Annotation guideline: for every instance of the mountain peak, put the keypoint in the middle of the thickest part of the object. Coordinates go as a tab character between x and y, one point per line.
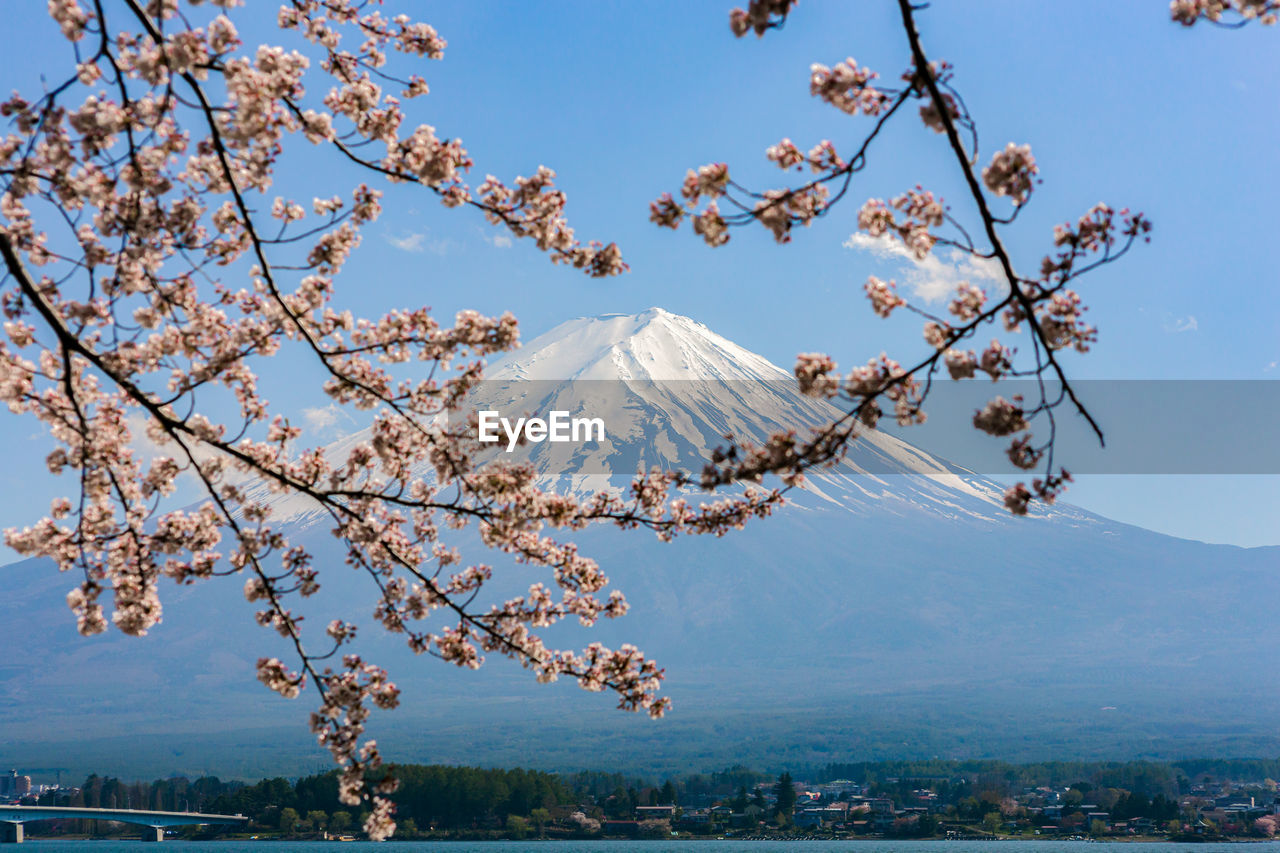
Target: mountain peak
651	345
670	390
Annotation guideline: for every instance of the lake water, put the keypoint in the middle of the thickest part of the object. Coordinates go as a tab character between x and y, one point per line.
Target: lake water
672	846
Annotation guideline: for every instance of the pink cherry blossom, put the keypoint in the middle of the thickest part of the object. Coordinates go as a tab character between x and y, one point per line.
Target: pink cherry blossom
150	267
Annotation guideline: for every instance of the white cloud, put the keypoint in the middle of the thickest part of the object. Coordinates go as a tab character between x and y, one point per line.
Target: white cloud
321	419
497	241
408	243
1177	325
417	242
934	278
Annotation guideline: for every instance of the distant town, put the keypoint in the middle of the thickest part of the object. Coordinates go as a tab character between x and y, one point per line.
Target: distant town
1192	800
14	787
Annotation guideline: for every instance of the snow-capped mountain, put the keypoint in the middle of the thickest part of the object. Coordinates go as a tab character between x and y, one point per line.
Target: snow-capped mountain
652	345
668	391
895	582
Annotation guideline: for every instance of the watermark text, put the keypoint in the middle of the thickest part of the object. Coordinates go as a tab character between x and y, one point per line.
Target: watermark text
558	427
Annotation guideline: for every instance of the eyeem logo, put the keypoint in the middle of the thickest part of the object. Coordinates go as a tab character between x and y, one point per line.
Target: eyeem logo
558	427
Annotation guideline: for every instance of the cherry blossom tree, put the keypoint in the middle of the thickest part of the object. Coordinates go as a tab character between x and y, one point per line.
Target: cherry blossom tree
149	271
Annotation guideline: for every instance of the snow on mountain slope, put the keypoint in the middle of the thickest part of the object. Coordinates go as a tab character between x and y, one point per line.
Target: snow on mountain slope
669	390
654	344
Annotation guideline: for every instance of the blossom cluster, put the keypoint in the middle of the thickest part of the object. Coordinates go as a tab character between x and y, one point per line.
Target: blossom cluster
847	87
883	295
1018	497
996	361
1188	12
921	212
1097	233
1011	173
934	112
759	17
777	210
788	454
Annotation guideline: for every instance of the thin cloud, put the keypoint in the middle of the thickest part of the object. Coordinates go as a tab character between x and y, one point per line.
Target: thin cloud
322	419
417	242
408	243
1178	325
497	241
934	278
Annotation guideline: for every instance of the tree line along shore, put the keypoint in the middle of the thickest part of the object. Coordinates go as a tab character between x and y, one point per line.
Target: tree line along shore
1187	800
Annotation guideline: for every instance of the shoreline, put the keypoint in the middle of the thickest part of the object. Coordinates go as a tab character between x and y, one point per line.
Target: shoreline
613	839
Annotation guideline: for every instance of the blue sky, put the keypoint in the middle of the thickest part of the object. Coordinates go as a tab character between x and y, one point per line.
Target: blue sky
1117	103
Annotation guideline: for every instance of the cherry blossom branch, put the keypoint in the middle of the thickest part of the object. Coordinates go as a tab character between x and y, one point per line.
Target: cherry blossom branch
916	219
989	221
1230	14
136	318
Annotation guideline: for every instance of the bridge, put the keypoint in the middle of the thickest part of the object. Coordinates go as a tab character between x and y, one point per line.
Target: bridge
153	824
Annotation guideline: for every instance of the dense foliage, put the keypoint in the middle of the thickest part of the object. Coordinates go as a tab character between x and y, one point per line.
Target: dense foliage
452	798
433	796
